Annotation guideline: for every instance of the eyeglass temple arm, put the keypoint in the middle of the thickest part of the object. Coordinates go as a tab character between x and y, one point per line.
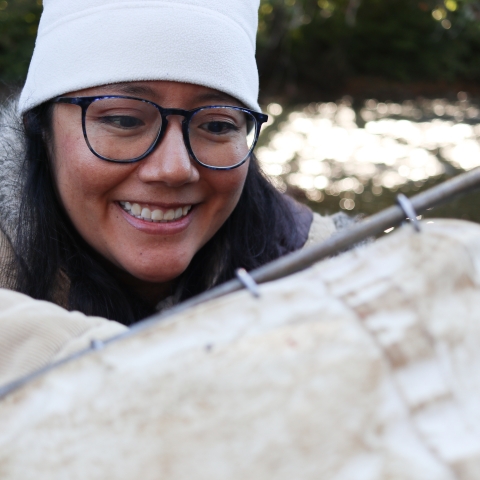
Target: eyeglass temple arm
261	117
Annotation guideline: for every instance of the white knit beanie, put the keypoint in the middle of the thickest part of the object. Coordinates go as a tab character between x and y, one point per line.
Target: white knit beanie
88	43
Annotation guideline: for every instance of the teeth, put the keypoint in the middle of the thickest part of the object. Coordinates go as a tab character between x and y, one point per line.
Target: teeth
157	215
136	209
146	213
169	215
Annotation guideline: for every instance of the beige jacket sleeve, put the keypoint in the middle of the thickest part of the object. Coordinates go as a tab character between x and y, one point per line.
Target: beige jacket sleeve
34	333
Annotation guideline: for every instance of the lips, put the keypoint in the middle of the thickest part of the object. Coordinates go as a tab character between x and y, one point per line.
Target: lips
157	214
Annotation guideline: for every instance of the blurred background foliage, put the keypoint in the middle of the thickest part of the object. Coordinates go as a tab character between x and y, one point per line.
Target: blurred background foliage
310	46
307	46
18	29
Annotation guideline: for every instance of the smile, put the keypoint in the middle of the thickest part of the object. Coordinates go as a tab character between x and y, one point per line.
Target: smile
156	216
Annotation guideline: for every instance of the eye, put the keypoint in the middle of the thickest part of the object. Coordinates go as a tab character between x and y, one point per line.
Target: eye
123	121
219	128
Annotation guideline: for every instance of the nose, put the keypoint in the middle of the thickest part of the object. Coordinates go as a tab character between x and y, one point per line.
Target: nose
170	162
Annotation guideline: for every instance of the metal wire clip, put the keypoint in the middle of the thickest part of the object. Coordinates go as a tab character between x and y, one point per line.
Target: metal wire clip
406	205
96	344
247	281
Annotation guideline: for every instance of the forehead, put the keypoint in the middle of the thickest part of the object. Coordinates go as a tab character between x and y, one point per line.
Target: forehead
167	94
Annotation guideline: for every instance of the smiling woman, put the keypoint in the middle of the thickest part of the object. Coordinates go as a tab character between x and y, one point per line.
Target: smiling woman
149	218
138	184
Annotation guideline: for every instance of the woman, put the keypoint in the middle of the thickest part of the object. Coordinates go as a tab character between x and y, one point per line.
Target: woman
139	187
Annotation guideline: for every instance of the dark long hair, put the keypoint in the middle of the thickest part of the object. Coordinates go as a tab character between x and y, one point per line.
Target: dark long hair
50	253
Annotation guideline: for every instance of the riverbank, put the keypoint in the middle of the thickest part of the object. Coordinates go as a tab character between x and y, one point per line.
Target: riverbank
361	88
357	156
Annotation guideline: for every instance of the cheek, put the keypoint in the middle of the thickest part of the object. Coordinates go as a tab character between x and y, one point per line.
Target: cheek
228	185
69	163
74	170
225	188
77	172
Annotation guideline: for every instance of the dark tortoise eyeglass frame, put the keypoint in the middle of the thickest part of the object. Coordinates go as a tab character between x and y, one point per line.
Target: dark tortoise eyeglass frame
85	102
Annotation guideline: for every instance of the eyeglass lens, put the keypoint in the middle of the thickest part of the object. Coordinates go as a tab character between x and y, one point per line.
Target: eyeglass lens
123	129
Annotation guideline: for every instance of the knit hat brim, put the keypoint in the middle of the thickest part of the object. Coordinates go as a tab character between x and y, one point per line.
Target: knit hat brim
142	41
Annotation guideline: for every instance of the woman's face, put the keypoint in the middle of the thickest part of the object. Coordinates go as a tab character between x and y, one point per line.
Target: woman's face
94	192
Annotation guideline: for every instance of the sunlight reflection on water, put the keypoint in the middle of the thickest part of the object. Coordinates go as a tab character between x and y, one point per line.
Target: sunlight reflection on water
329	149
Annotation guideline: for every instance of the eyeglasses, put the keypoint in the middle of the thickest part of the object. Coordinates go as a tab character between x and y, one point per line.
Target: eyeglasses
126	129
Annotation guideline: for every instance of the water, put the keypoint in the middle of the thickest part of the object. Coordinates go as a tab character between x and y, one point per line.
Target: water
336	157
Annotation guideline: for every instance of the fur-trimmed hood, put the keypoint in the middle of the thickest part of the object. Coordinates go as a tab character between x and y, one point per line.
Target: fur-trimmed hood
12	155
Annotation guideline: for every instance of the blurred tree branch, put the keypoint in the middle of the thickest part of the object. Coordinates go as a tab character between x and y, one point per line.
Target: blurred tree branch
351	13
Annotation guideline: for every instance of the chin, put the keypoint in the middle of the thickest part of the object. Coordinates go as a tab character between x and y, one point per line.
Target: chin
158	275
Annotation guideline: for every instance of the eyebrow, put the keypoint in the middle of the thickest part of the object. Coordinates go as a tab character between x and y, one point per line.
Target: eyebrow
129	88
216	97
144	90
